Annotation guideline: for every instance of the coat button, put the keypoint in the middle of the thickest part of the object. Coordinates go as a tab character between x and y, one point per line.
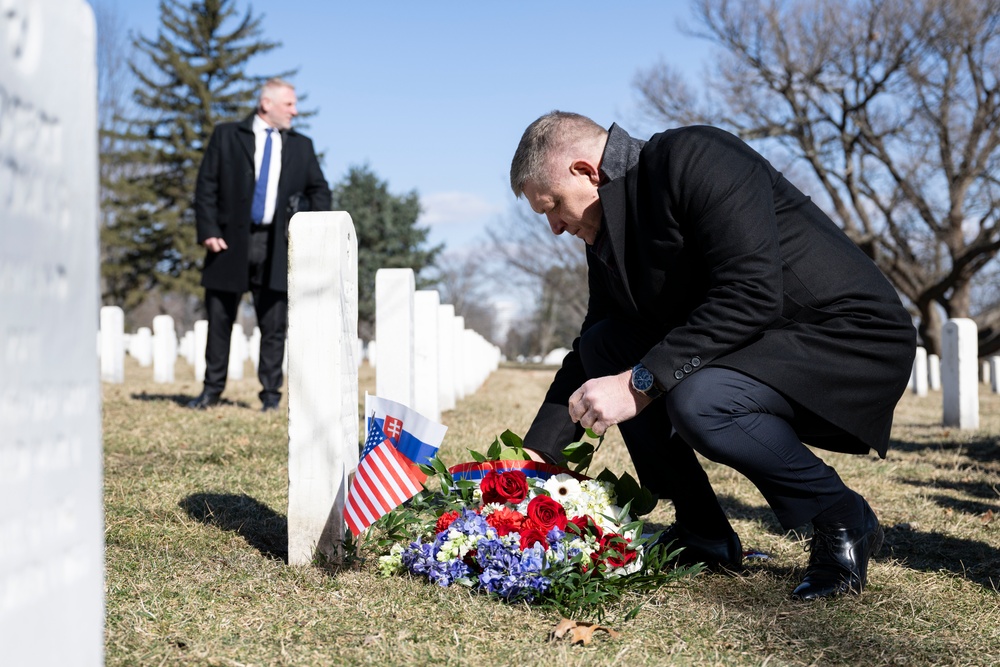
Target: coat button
679	375
696	361
687	368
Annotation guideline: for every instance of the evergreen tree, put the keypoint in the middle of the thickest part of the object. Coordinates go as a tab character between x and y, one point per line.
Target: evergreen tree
195	79
388	236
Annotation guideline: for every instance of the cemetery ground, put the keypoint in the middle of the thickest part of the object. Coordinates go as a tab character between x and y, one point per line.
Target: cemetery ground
196	544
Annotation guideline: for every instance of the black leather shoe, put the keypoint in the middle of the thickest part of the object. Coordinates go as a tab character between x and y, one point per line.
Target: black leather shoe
720	554
270	404
205	400
838	563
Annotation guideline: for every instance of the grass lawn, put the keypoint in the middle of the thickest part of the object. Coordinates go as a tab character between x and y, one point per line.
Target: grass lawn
195	506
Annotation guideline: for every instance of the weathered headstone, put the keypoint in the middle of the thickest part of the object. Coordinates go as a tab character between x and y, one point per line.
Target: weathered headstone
394	334
994	370
164	348
918	382
934	372
446	361
142	346
425	354
200	344
237	352
51	525
322	381
112	344
959	373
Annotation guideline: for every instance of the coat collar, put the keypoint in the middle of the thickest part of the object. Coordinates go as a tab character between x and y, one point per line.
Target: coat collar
618	165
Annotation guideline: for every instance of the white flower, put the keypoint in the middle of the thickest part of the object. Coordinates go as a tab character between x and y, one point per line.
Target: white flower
564	488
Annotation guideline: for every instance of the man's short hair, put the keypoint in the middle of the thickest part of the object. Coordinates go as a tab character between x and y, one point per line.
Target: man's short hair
552	133
270	86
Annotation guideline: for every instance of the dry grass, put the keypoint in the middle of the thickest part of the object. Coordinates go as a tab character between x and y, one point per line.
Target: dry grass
195	528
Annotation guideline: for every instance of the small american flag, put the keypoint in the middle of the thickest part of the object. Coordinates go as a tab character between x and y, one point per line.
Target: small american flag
386	476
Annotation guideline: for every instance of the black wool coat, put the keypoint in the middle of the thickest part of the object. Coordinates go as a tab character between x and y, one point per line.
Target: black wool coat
736	268
224	194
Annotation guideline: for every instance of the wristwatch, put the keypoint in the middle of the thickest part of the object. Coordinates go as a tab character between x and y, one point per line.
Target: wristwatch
644	382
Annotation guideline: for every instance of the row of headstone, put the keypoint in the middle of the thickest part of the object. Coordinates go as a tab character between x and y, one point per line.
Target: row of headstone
956	374
426	358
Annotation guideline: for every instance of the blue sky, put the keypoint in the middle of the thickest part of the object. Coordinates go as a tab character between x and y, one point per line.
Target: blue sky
434	95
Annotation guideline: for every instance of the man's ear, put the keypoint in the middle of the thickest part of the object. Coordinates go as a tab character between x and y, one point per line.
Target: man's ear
582	167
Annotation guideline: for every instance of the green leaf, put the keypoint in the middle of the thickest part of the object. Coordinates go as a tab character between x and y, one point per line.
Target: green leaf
493	453
576	452
512	439
608	476
476	456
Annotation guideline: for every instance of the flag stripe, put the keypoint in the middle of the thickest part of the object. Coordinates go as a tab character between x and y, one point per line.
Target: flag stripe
475	471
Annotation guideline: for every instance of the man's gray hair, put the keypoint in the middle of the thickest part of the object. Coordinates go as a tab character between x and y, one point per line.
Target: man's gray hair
270	86
554	132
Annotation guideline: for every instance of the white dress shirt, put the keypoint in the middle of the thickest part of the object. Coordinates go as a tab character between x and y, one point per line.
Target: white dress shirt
274	171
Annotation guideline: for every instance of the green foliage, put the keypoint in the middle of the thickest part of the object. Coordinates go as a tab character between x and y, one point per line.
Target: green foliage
196	78
388	235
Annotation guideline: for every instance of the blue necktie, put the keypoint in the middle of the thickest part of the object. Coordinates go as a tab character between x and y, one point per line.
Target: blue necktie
260	189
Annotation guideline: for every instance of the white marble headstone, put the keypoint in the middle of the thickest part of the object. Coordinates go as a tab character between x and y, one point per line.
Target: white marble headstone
918	382
238	352
322	381
934	372
164	348
394	334
425	354
200	344
959	373
112	344
51	523
142	346
446	362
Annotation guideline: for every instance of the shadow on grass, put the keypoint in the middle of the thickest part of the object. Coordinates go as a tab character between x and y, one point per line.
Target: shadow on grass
182	399
934	552
980	449
263	528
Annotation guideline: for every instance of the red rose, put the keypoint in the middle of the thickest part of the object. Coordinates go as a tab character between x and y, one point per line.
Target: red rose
614	550
531	535
585	525
505	520
504	487
445	520
547	513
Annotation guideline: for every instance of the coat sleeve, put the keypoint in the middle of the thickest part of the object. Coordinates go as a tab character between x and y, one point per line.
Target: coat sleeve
721	193
552	429
206	191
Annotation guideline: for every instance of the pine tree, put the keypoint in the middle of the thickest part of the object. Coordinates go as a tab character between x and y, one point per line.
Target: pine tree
195	79
388	236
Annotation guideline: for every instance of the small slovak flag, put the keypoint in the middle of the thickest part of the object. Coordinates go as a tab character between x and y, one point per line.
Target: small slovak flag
398	438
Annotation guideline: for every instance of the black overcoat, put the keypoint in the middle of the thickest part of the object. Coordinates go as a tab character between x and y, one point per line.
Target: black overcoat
738	269
224	193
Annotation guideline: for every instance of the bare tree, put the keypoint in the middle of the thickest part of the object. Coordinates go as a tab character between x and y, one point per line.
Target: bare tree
462	282
891	106
553	268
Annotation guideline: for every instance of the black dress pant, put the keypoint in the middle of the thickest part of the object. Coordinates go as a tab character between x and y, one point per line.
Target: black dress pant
272	318
728	417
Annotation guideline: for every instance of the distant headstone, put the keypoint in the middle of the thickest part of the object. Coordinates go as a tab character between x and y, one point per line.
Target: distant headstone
959	373
555	357
255	348
918	382
164	348
994	370
112	344
322	381
425	354
458	356
371	352
200	344
394	334
237	352
934	372
142	346
986	371
446	361
185	348
51	525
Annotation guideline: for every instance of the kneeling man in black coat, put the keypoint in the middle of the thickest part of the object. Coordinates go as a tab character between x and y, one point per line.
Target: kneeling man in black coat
728	316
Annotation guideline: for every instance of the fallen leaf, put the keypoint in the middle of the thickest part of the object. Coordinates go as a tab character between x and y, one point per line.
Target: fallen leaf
948	511
580	632
987	518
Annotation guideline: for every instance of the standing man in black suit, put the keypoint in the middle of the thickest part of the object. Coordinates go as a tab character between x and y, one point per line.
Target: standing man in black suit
728	316
255	174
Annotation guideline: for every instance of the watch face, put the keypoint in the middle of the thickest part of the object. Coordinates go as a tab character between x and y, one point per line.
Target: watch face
642	379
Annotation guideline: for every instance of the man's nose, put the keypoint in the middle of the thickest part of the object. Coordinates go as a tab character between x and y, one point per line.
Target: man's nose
555	224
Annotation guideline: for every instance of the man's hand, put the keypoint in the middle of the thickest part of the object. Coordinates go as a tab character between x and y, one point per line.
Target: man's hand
605	401
216	244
